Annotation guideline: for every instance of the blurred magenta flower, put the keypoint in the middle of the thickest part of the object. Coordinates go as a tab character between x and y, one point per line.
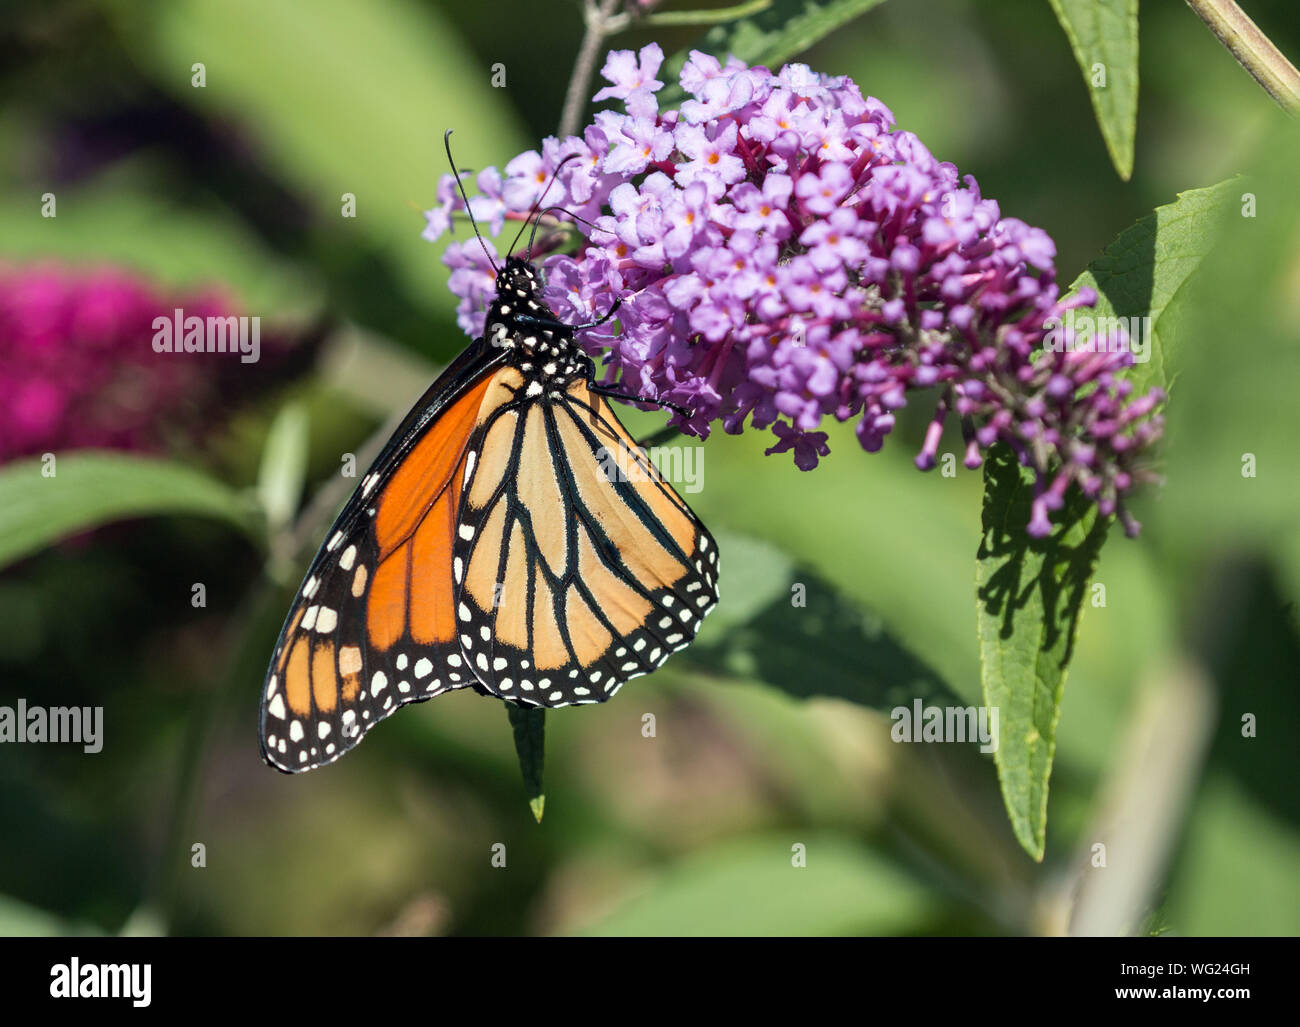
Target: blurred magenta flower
78	368
784	254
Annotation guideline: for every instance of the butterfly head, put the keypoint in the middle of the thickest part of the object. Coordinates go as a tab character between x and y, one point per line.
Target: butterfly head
519	283
519	319
518	295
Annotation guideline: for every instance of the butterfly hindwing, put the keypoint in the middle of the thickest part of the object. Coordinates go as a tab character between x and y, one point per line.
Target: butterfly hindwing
582	568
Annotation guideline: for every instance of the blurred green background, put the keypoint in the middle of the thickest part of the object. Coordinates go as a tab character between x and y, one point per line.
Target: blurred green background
769	731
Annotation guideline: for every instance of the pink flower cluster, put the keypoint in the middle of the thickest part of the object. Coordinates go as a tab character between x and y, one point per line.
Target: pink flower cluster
783	254
79	370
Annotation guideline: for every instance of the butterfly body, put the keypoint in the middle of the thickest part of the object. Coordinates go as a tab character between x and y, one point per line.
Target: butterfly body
510	538
521	323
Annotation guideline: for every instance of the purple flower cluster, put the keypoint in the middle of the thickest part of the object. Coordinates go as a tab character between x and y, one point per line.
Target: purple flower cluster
784	254
79	369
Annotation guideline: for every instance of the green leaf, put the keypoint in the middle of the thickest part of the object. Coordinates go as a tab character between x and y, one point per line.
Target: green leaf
1236	873
775	35
19	920
712	16
144	922
1142	274
529	726
1105	33
1232	432
874	558
1030	591
280	477
284	465
342	97
182	247
753	887
86	489
1029	595
794	629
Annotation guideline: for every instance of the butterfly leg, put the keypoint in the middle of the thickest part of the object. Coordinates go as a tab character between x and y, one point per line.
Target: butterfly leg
546	322
601	390
608	314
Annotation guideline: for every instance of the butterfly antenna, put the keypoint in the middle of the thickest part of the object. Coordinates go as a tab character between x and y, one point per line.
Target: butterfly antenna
543	214
554	175
446	141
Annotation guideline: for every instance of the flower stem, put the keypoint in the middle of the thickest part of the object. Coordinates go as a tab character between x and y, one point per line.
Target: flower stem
597	14
529	727
1254	51
711	17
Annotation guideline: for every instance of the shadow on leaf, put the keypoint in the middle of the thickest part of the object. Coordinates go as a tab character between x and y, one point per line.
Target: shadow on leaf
1056	569
831	646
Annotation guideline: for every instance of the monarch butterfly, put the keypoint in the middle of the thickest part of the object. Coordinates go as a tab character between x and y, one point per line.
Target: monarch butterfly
489	547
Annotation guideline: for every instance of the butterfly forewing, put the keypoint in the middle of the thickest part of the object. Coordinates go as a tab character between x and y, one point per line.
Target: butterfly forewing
371	628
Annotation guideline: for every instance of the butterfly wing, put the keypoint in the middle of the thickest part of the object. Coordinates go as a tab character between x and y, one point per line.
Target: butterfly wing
372	626
578	566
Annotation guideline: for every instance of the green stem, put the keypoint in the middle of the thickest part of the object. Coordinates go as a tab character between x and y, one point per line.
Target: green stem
600	21
1254	51
710	17
529	726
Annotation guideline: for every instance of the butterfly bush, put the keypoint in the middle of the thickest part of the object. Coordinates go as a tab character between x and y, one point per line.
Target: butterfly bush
78	367
784	254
